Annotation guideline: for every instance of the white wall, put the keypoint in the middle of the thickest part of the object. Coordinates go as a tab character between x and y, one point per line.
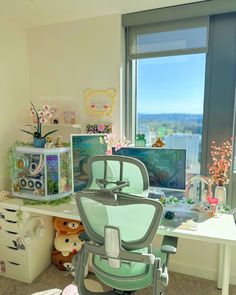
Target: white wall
14	91
65	59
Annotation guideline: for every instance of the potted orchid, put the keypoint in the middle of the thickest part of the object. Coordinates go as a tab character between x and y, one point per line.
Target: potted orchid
41	117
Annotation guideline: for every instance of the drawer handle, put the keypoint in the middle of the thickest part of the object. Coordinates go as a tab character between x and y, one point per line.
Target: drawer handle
10	221
11	232
10	210
14	263
12	248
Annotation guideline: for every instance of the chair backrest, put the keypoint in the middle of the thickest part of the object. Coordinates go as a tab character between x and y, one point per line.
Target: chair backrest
115	197
116	169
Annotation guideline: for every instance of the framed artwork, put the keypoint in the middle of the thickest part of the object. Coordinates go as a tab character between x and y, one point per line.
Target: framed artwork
98	128
69	117
84	146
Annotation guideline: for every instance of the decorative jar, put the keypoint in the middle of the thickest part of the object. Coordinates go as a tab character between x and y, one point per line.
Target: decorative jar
220	194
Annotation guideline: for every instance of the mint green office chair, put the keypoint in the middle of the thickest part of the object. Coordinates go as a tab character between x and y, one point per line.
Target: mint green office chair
121	223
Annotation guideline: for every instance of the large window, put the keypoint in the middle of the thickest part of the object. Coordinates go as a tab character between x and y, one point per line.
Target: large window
167	73
180	59
169	103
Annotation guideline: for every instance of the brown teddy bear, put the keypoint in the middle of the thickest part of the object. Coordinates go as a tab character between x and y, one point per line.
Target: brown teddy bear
61	261
67	226
67	241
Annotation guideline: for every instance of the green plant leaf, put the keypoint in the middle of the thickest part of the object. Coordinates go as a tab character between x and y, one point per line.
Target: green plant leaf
50	133
27	132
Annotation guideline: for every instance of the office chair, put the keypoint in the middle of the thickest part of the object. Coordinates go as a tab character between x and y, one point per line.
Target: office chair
121	223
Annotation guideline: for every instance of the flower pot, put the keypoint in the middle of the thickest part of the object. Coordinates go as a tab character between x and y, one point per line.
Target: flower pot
220	194
39	142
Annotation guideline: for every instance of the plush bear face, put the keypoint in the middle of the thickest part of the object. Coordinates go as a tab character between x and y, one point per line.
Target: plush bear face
67	226
99	102
67	244
62	262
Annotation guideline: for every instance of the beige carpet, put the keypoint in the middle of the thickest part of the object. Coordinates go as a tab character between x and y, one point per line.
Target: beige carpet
53	278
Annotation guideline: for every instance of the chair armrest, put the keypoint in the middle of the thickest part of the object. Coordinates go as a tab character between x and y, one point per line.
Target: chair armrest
169	245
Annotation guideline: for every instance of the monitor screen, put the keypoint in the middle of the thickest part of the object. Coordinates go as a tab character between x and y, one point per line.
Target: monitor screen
166	167
84	146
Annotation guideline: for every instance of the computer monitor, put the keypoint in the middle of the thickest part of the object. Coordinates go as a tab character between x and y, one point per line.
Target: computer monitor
84	146
166	167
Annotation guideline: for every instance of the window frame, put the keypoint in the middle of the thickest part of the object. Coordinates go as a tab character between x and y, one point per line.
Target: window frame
220	70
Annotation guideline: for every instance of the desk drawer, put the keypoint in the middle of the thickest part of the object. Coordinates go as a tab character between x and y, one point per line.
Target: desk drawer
13	255
9	214
7	238
14	271
9	225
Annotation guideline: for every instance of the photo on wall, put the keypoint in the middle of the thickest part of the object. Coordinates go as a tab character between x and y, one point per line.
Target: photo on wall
84	146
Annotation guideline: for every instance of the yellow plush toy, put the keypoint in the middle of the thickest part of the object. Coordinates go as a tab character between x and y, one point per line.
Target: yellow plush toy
67	243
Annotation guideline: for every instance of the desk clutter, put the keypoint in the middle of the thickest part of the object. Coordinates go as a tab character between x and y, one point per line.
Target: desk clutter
41	173
180	219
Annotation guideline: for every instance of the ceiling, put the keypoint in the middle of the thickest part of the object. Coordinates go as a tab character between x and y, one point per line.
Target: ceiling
32	13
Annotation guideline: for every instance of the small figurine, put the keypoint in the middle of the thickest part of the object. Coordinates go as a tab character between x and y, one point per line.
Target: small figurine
140	140
49	143
158	143
17	188
59	141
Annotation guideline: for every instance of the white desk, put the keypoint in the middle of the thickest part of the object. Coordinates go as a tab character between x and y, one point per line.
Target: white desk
221	230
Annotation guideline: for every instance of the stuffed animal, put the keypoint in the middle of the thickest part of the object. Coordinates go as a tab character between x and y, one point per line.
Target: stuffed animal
67	226
67	243
60	261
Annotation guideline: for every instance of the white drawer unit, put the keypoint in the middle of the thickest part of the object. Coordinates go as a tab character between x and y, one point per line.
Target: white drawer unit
14	270
8	214
13	254
9	225
26	241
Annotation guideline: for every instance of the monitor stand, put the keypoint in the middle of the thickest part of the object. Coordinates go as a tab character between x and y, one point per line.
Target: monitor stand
158	192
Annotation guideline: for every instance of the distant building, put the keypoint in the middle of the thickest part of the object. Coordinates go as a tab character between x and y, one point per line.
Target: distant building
190	142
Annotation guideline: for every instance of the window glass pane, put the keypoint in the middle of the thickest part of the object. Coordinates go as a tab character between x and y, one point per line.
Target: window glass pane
170	96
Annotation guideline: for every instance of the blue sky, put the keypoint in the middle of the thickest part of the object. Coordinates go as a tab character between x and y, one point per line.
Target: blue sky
172	84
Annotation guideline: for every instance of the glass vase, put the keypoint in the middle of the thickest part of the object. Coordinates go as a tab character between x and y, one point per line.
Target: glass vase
220	194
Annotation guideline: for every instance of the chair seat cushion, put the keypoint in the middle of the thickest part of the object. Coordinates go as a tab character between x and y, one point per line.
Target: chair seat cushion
130	275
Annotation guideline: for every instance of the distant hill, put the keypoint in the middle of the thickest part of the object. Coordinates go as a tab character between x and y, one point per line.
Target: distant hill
170	117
